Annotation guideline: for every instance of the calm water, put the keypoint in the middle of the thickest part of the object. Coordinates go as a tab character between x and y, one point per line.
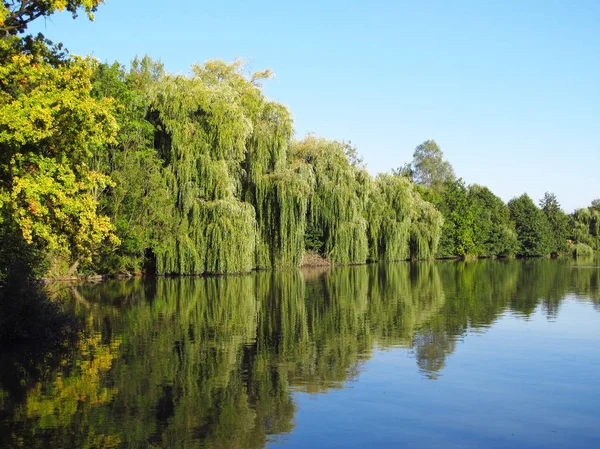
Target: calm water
494	354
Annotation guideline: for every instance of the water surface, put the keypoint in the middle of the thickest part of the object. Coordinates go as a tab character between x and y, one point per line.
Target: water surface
488	354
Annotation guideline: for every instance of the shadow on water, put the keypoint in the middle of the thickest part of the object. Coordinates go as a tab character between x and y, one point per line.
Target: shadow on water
216	361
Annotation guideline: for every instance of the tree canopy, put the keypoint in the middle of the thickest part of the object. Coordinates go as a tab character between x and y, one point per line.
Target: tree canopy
15	15
428	167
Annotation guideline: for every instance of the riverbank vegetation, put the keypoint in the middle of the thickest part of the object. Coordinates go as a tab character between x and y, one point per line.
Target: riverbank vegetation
110	170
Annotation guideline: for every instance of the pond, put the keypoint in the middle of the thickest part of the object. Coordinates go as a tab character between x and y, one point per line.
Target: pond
494	354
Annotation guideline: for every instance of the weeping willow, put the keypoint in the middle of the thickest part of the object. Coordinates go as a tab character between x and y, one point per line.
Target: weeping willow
401	224
426	229
278	190
239	204
585	227
334	208
206	121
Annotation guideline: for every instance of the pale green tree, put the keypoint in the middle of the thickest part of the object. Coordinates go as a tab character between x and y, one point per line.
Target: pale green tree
429	168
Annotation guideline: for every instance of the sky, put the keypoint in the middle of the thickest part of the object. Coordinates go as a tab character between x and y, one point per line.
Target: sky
510	90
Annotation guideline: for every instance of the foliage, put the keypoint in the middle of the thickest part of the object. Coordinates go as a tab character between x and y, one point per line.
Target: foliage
458	234
49	124
428	168
55	206
138	201
47	109
15	15
134	170
533	229
335	207
225	148
494	234
401	224
559	224
585	226
581	250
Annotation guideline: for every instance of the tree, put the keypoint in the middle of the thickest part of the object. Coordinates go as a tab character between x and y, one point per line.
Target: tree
458	233
429	169
533	229
585	226
54	206
238	204
49	126
334	210
494	233
558	221
401	224
15	15
138	201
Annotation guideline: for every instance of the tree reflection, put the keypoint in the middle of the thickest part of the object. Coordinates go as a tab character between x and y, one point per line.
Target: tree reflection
213	362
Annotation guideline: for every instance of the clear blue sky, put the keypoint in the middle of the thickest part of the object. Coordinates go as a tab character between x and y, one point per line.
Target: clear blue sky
510	90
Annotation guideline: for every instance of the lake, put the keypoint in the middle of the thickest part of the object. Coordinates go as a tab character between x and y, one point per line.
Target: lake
446	354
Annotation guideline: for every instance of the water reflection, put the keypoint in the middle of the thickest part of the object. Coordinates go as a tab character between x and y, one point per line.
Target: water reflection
214	362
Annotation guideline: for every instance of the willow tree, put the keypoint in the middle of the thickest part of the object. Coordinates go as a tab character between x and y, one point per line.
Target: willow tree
402	225
585	226
277	189
238	203
206	128
335	211
426	229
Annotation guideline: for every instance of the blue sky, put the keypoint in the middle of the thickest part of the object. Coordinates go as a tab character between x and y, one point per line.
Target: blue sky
510	90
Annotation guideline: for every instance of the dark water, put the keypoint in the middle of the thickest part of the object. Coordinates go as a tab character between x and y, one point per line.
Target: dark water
485	354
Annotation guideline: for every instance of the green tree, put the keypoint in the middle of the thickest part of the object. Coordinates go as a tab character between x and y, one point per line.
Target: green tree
494	233
428	168
458	233
238	204
401	224
49	125
334	208
533	229
558	221
585	226
138	200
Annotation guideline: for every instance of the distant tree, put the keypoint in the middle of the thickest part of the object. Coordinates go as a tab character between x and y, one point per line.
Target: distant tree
406	171
429	169
585	225
458	233
558	221
494	233
533	229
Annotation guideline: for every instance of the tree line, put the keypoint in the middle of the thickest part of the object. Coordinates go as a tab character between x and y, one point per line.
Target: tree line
107	169
477	223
